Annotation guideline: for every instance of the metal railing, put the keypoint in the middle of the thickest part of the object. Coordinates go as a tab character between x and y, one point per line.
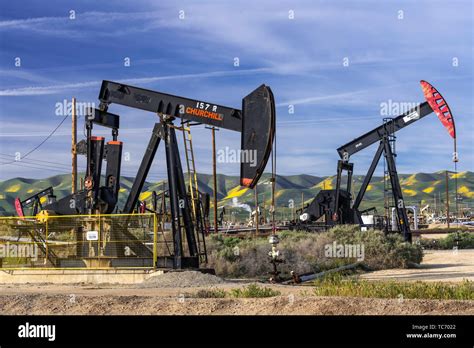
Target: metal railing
82	241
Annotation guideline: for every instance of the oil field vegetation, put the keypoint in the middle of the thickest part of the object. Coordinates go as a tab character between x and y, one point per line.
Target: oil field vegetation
304	252
249	291
460	240
338	285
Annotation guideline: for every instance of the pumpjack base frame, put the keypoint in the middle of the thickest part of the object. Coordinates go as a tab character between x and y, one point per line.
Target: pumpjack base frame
166	262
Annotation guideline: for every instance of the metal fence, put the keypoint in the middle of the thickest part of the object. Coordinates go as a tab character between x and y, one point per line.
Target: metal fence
82	241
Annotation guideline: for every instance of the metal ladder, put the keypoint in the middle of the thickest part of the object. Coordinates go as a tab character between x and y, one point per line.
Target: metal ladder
34	231
194	192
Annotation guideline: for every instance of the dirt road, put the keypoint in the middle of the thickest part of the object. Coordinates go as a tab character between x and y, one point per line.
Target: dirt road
438	265
281	305
172	294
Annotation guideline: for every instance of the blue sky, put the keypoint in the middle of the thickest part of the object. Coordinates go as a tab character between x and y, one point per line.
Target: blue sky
389	47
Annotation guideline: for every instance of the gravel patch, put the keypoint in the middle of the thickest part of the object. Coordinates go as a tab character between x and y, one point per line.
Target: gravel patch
184	279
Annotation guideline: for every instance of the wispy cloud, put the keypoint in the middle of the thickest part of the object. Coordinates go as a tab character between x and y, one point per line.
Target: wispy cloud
82	23
54	89
300	58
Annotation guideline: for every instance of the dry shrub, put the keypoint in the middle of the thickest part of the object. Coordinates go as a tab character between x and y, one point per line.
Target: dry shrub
304	252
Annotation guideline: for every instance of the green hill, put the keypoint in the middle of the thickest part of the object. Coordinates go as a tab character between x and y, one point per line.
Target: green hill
419	188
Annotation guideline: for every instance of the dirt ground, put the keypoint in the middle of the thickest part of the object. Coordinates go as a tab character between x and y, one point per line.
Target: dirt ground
156	303
437	265
162	295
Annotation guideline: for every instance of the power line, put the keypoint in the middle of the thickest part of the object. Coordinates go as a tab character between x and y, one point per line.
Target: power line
15	163
53	165
41	143
62	169
58	164
37	164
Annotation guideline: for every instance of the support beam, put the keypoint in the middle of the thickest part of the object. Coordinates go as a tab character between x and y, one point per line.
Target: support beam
145	165
402	217
368	176
174	201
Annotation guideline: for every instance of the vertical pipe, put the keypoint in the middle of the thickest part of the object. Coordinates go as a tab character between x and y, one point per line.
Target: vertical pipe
46	238
214	175
257	217
99	230
455	160
273	181
447	200
73	147
163	203
89	148
155	239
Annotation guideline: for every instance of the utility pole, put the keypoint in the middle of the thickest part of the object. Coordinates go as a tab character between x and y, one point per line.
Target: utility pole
73	147
447	200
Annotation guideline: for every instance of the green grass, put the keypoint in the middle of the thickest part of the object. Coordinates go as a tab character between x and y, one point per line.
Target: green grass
337	285
250	291
209	293
254	291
